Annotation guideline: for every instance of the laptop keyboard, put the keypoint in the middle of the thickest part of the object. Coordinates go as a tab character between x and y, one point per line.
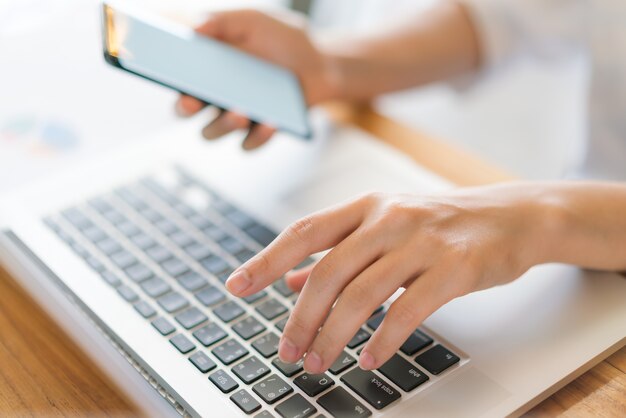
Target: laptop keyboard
168	248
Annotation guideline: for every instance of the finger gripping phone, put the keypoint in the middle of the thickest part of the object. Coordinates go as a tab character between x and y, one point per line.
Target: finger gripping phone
177	57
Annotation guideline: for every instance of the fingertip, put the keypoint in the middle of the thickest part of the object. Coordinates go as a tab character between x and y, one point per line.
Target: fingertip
367	360
238	283
258	136
188	106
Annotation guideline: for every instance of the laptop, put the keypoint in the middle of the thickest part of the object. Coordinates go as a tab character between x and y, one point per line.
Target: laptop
129	254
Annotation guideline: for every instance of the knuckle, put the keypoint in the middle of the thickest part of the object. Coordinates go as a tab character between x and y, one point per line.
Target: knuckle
322	270
301	229
299	326
358	294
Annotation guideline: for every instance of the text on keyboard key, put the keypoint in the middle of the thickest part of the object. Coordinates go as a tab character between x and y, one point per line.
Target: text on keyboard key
313	384
202	362
376	391
402	373
272	389
359	338
251	370
223	381
416	341
248	327
191	318
163	326
209	334
229	352
288	369
271	308
245	401
437	359
343	362
228	311
182	343
267	345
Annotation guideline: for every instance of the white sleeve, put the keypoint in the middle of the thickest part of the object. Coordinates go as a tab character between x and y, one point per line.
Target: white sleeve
542	28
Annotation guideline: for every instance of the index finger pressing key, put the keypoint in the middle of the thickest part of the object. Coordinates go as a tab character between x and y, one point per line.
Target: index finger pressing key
309	235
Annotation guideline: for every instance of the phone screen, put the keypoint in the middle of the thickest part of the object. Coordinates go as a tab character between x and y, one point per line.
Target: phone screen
178	57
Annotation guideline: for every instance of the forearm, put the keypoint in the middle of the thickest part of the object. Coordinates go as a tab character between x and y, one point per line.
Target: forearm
584	224
437	45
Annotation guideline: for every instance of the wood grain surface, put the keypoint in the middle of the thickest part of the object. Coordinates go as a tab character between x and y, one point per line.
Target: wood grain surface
44	373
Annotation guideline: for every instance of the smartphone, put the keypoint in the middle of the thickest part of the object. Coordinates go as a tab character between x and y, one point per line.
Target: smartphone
177	57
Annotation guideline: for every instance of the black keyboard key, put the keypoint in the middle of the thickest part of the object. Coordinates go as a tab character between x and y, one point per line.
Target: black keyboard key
174	267
182	343
255	297
128	228
231	245
163	326
376	391
155	287
405	375
248	327
340	404
127	293
210	295
261	234
199	221
250	370
191	318
288	369
209	334
374	322
95	264
245	401
437	359
281	324
267	345
94	234
145	309
229	352
214	232
202	362
192	281
214	264
139	272
313	384
271	309
109	246
416	341
151	215
172	302
281	287
182	239
166	226
159	253
296	407
343	362
245	255
198	251
111	279
272	389
240	219
264	414
359	338
223	381
143	241
228	311
123	259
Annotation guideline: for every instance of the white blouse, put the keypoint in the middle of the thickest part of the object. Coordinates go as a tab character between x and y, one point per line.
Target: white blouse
552	28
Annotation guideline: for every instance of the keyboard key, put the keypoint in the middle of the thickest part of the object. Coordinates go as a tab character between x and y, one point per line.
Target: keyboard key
264	414
199	221
114	216
174	267
210	295
128	228
229	352
296	407
198	251
151	215
182	343
402	373
131	198
127	293
250	370
123	259
182	239
109	246
144	309
202	362
94	234
192	281
163	326
94	263
376	391
359	338
100	205
281	287
159	253
231	245
313	384
172	302
437	359
416	341
245	401
374	322
288	369
255	297
155	287
143	241
267	345
248	327
272	389
209	334
77	218
166	226
228	311
271	309
281	324
261	234
340	404
214	232
139	272
214	264
191	318
223	381
343	362
240	219
111	278
82	252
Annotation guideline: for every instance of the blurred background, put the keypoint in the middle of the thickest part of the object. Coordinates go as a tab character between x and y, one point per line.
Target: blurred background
59	101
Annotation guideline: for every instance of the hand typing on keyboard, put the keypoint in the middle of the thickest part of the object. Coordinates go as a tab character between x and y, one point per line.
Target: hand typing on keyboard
436	248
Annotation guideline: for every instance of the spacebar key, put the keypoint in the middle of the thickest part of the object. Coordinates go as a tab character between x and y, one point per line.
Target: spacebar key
375	390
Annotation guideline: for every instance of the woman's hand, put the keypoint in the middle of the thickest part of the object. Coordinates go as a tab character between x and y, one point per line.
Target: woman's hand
437	248
281	41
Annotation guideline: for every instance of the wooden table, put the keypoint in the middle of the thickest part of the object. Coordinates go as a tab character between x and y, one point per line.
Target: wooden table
43	373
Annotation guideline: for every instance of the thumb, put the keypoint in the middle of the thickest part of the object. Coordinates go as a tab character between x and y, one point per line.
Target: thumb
231	26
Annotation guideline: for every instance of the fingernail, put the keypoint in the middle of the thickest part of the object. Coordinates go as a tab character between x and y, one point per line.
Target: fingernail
238	282
367	361
313	363
288	351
